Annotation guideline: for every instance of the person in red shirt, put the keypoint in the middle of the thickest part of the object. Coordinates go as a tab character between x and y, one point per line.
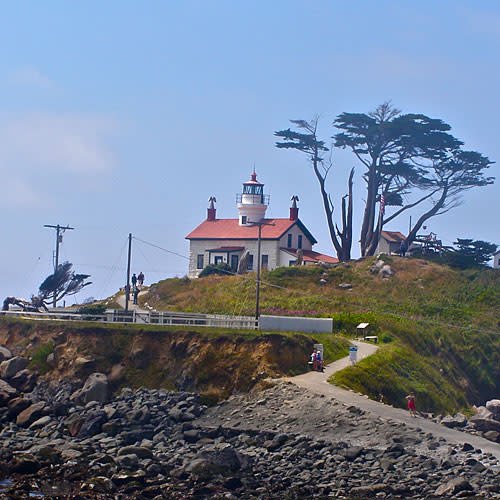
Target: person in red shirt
411	404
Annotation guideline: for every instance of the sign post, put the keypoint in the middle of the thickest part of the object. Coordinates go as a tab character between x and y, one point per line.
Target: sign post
353	354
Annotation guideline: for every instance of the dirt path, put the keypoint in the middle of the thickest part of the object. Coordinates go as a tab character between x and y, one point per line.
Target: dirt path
316	382
120	299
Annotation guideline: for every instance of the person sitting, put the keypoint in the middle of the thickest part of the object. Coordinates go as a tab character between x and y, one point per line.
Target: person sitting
319	360
314	359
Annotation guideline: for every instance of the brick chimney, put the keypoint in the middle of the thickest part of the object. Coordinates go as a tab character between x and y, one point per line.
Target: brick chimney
294	210
211	208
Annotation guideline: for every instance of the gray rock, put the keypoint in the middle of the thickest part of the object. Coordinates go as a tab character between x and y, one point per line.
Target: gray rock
453	486
7	389
10	367
345	286
494	407
96	388
92	424
191	436
139	451
4	353
41	422
386	271
352	452
492	436
459	420
17	405
485	424
129	461
30	414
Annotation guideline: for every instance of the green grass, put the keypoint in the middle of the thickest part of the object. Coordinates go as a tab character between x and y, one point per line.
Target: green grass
438	327
39	357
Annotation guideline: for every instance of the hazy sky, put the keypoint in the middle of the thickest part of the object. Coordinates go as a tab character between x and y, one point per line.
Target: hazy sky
121	117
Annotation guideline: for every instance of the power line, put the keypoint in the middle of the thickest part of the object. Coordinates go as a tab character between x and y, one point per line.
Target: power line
160	248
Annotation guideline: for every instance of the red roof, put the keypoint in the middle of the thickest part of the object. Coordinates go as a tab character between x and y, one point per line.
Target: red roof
394	236
312	256
230	229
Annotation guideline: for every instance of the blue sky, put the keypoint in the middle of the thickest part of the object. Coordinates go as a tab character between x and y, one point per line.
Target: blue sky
121	117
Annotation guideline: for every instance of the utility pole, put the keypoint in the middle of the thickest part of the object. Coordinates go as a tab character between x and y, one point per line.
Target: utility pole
127	286
257	285
59	232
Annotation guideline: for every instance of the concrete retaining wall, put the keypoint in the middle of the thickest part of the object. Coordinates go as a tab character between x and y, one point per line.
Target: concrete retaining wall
294	324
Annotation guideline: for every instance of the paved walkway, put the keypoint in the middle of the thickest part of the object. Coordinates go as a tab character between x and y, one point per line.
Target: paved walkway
317	382
120	299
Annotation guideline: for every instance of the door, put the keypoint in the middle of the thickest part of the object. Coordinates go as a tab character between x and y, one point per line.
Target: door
234	262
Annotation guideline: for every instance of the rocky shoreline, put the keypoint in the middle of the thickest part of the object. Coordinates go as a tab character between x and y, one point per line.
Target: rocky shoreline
74	441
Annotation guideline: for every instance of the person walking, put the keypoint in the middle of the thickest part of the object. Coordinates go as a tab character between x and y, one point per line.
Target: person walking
411	404
134	280
402	248
135	294
140	279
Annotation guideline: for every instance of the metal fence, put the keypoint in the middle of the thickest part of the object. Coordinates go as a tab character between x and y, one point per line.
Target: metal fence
151	317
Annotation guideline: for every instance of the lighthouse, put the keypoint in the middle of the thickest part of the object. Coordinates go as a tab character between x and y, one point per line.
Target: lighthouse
252	202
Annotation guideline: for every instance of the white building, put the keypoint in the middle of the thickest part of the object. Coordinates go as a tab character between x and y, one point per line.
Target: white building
496	260
227	240
390	242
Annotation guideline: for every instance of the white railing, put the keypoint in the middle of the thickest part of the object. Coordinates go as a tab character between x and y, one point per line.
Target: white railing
150	317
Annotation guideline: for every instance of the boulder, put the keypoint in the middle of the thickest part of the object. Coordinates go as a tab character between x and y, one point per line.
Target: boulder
459	420
41	422
74	423
485	424
216	461
386	271
7	389
494	407
140	451
10	367
4	354
24	380
25	464
32	413
17	405
492	436
82	366
92	424
452	487
96	388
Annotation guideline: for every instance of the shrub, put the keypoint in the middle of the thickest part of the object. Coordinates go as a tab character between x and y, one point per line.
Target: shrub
39	357
221	268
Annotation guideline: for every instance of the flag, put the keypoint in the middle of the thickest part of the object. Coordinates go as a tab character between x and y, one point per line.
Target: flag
382	204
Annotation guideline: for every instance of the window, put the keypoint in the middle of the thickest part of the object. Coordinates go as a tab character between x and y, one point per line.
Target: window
265	261
250	262
289	244
199	261
243	219
299	242
291	263
219	259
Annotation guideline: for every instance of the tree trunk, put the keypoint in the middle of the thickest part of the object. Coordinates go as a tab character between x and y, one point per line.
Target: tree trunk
328	211
369	214
430	213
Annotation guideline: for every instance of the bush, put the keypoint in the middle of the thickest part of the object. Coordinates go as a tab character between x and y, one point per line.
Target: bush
221	268
39	357
92	309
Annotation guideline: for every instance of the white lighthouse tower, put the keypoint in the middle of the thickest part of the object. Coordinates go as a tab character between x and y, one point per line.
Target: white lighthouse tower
252	202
